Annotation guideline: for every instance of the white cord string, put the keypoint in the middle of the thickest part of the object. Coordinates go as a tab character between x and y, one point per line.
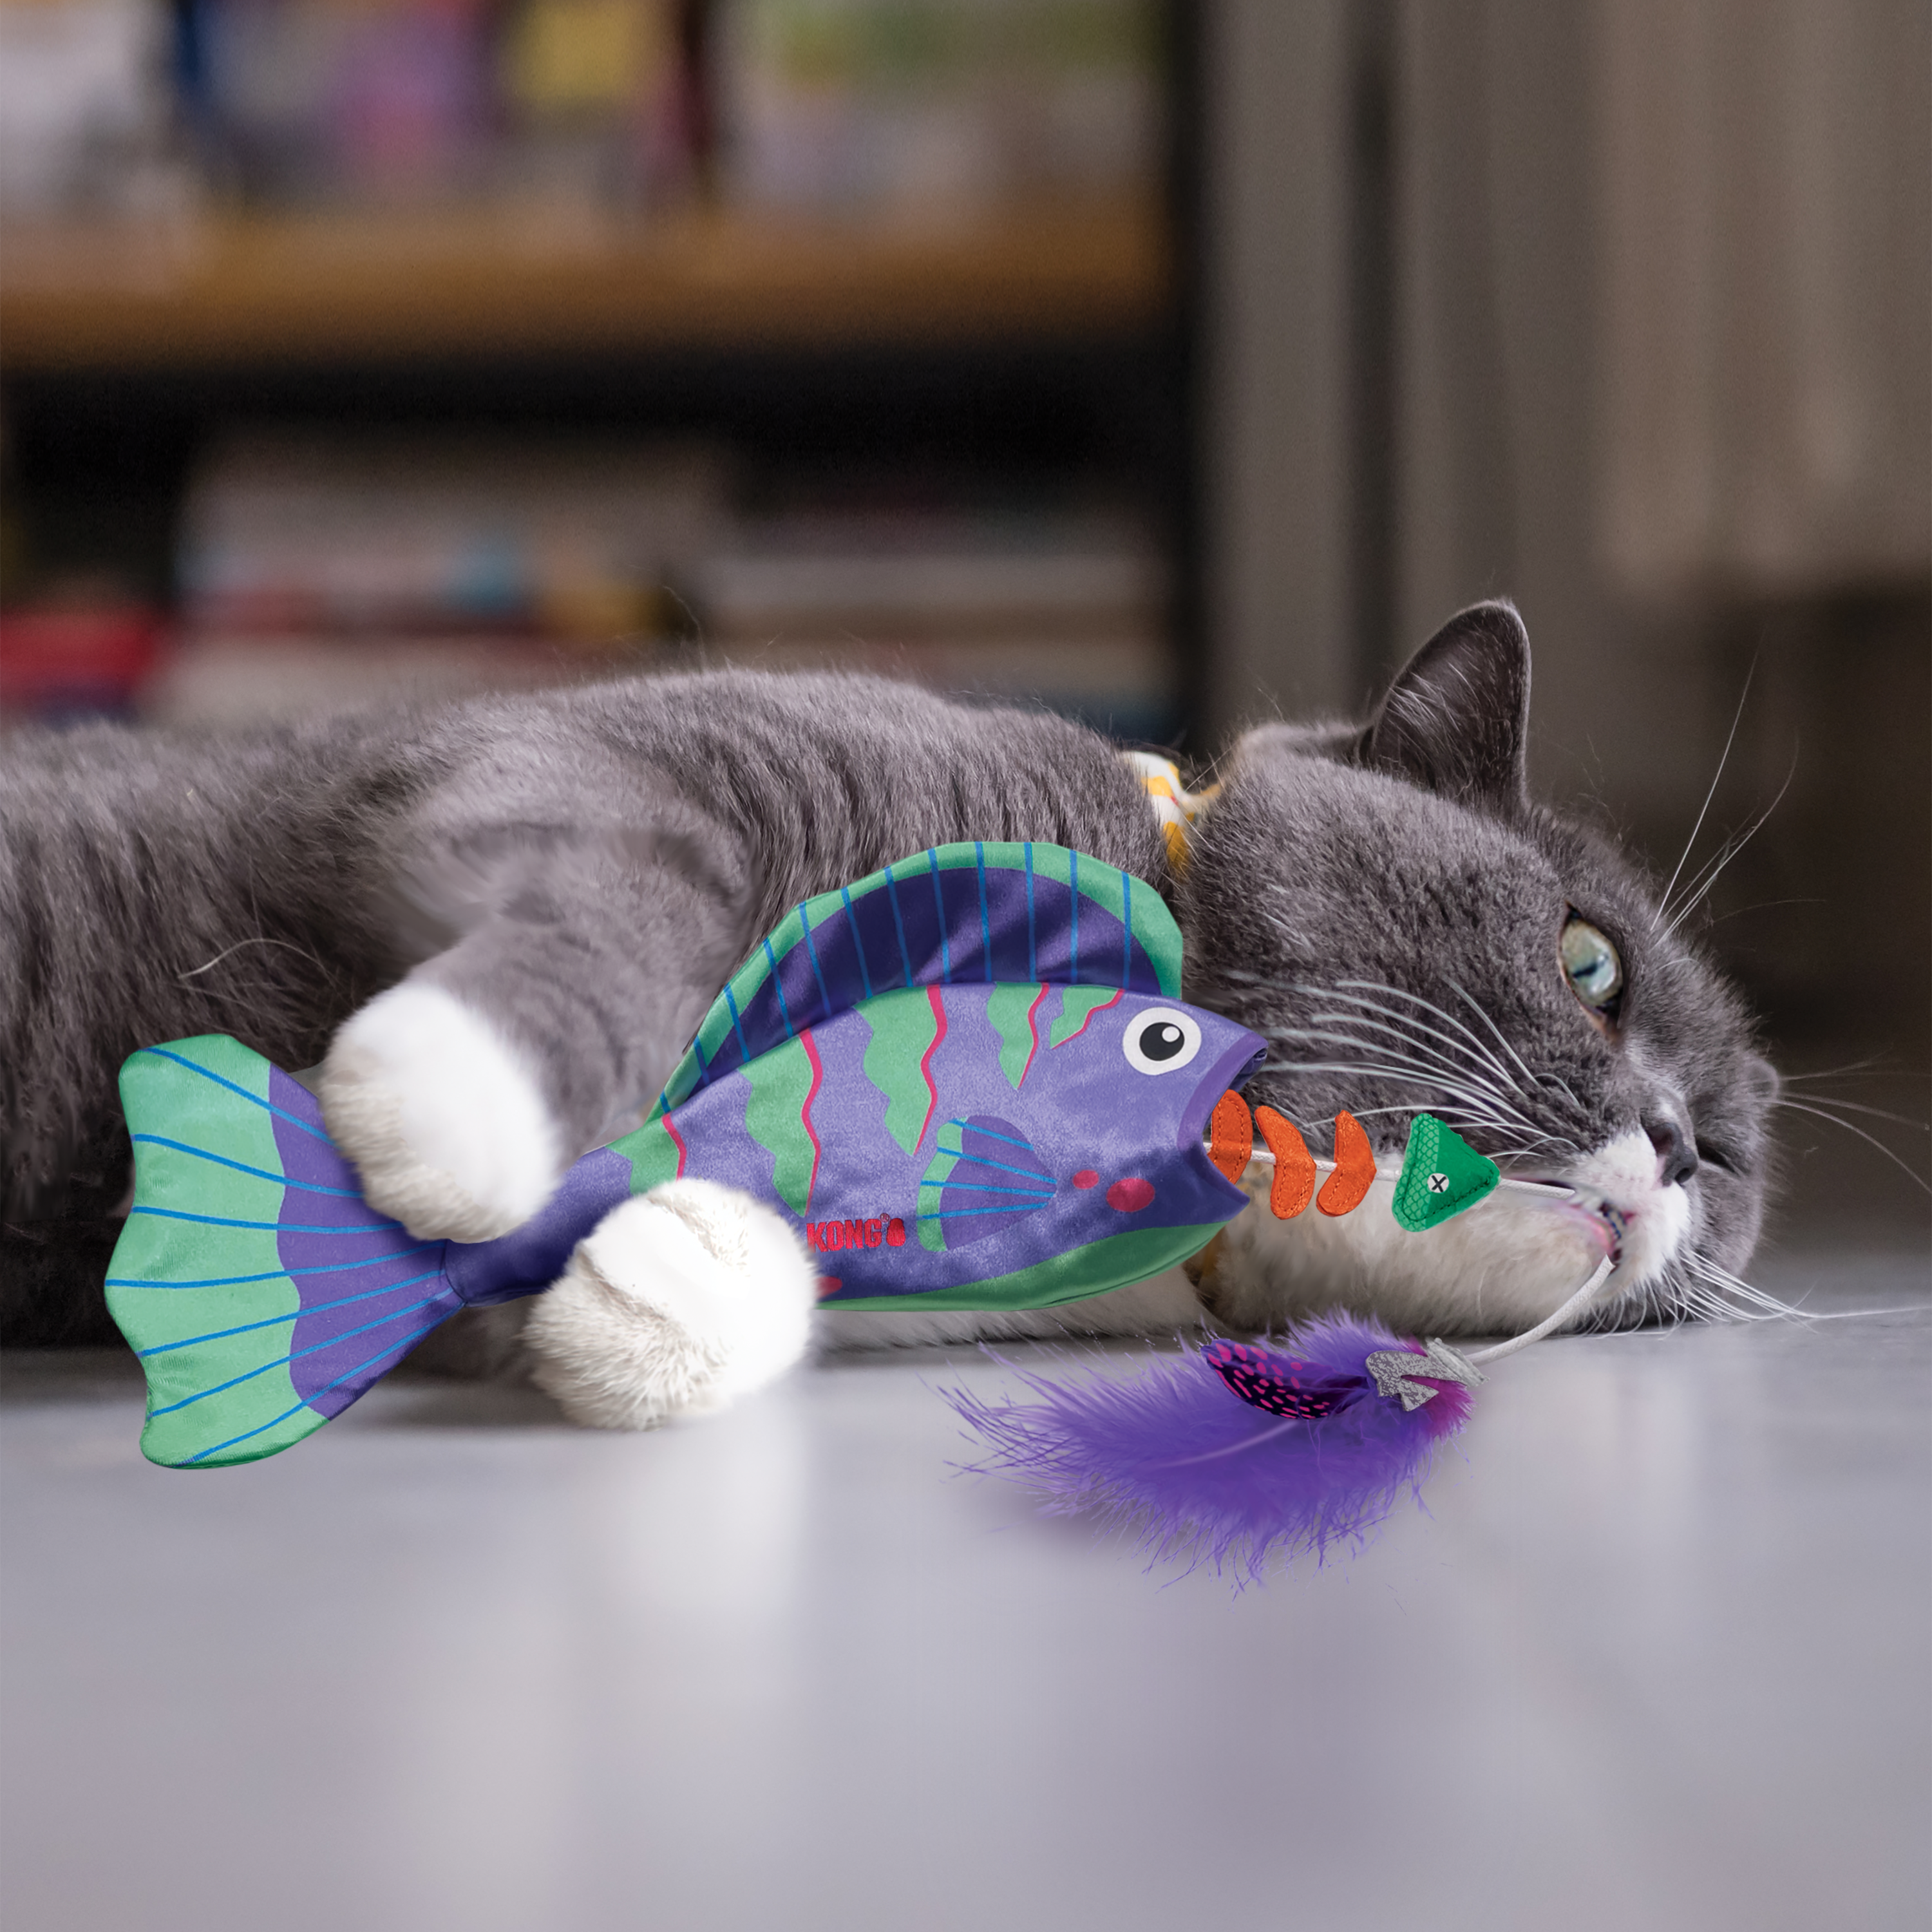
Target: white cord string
1549	1190
1574	1306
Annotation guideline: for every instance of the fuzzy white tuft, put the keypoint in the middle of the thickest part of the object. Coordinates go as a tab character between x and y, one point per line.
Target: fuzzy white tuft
680	1301
1500	1268
446	1127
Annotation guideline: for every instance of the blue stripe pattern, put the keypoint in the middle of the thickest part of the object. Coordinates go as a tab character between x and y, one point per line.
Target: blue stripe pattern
899	924
282	1227
274	1274
254	1100
777	987
939	907
1000	1167
276	1321
858	944
202	1395
201	1455
985	921
1073	918
1032	947
987	1134
958	1213
818	973
241	1167
952	1184
744	1046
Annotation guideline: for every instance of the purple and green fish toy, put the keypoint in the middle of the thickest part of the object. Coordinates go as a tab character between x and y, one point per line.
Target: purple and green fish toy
967	1081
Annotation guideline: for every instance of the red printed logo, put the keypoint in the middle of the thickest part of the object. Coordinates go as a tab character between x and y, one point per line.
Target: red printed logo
827	1238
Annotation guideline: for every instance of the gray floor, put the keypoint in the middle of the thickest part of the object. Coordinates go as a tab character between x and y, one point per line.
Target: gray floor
1657	1657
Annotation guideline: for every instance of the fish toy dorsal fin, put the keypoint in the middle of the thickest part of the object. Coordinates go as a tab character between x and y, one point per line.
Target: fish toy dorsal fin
979	912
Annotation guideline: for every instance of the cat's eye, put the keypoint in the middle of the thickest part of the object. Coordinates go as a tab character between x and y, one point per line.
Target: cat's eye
1160	1040
1592	966
1709	1154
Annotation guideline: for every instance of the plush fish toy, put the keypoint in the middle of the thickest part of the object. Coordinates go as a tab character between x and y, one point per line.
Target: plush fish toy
968	1082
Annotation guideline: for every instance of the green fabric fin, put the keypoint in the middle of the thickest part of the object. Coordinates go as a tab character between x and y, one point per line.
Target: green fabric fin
1441	1175
196	1273
260	1292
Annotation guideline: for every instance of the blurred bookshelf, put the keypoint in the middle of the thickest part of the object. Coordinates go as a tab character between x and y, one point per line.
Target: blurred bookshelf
287	288
355	350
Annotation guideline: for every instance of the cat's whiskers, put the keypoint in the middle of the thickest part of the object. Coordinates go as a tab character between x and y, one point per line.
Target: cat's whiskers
1539	1083
1474	1109
1875	1067
1470	1050
1720	1292
1446	1062
1732	847
1662	911
1450	1080
1443	1049
1502	1142
1475	1046
1835	1100
1543	1084
1897	1160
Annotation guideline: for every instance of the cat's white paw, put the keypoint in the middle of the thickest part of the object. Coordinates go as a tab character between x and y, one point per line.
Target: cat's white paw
448	1131
681	1301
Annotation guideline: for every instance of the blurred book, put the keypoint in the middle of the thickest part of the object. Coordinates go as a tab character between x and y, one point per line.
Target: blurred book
936	106
602	99
79	657
87	120
329	533
584	108
385	103
1066	609
320	569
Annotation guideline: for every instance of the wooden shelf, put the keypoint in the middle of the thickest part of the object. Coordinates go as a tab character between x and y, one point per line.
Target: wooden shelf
341	288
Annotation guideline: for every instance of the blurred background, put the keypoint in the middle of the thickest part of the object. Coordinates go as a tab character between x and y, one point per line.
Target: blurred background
1173	365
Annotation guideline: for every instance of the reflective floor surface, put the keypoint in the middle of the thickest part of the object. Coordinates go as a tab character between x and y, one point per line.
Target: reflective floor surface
1656	1657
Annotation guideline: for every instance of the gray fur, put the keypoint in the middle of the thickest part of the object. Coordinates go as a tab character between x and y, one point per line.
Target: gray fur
1325	862
586	866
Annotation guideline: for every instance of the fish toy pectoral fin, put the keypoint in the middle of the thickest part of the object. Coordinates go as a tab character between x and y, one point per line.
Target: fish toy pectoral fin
1441	1175
261	1293
984	1178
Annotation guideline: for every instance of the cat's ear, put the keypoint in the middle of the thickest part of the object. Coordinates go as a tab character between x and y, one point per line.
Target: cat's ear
1456	719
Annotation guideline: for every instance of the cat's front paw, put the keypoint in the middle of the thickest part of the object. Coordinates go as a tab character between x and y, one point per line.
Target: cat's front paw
446	1128
681	1301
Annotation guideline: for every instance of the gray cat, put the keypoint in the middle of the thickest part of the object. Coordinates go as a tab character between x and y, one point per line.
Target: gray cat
495	925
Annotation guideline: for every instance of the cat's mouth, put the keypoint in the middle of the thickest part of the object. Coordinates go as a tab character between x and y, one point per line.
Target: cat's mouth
1605	1222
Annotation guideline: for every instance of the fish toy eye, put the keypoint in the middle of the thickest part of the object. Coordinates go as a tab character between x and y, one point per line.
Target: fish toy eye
1161	1039
1592	966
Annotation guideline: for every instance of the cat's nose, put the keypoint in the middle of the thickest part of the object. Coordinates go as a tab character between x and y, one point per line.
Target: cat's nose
1676	1151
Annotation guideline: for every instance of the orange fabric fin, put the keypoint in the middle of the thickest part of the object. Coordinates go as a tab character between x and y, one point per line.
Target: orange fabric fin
1231	1136
1354	1168
1294	1165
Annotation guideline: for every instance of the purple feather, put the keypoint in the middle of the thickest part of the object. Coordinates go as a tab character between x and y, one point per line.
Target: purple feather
1206	1459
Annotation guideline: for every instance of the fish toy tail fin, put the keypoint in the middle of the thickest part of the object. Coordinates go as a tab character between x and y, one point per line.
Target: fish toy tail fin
261	1292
